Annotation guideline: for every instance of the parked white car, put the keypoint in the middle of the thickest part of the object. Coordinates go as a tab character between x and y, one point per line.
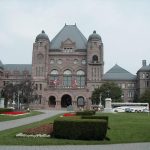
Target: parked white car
119	109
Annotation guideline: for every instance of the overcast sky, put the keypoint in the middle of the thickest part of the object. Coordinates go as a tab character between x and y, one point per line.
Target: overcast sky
124	26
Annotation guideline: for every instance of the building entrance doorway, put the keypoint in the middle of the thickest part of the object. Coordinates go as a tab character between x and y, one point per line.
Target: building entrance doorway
52	101
66	100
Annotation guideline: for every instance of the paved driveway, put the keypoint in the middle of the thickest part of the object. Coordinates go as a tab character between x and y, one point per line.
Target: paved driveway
19	122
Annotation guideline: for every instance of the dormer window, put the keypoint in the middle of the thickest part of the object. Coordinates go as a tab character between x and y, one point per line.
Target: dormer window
68	46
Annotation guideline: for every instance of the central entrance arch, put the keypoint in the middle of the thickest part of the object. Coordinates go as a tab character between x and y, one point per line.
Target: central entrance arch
66	100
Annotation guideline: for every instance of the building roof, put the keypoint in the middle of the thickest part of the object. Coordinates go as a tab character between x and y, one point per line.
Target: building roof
145	68
42	36
18	67
69	32
1	64
118	73
94	36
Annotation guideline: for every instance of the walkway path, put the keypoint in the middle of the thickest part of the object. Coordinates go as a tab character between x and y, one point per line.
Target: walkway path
23	121
137	146
49	113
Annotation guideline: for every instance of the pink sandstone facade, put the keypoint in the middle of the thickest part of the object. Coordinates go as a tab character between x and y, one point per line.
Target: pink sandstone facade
69	67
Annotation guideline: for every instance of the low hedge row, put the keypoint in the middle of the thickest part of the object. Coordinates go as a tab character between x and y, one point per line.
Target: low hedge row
85	113
5	110
95	117
80	129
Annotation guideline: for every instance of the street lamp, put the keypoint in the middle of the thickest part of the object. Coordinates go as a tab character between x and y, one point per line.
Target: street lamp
100	102
18	100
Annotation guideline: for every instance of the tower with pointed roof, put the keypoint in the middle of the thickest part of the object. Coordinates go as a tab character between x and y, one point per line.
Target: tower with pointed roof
95	62
143	78
40	61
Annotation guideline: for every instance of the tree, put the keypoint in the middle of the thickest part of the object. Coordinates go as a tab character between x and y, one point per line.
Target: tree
145	97
7	93
25	89
108	89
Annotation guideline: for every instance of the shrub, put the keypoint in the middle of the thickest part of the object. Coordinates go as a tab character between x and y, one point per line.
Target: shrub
96	117
80	129
85	113
5	110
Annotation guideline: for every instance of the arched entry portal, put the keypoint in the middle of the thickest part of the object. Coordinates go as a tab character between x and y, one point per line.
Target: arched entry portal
66	100
52	101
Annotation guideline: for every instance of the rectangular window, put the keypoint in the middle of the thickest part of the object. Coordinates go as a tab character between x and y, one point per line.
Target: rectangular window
39	71
67	81
129	85
40	86
146	83
131	94
40	99
36	86
123	86
143	75
147	75
80	81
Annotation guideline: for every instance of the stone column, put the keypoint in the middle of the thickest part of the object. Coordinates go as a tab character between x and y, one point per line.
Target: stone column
58	105
108	107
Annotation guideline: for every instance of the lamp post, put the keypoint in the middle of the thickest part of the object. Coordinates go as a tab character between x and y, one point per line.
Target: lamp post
100	98
18	100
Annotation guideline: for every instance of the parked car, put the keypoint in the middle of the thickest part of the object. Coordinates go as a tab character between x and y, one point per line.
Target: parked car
145	110
119	109
128	109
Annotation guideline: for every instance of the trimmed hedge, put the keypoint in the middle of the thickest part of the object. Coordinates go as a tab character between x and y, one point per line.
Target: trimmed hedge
85	113
80	129
5	110
95	117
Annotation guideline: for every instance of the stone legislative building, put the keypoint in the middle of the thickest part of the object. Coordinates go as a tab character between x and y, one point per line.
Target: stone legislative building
67	68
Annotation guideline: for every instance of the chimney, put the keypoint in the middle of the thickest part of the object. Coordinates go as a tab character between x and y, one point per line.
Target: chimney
143	62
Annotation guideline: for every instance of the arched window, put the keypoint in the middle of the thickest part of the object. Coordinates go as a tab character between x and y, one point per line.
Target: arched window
95	59
54	75
80	78
80	101
67	76
54	72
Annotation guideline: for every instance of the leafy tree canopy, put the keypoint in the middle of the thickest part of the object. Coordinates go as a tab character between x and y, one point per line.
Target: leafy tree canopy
145	97
107	90
25	89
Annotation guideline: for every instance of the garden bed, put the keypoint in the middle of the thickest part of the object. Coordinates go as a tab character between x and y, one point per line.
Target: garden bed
14	113
44	130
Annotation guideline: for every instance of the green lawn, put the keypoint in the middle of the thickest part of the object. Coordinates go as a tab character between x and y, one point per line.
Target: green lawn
125	128
7	118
